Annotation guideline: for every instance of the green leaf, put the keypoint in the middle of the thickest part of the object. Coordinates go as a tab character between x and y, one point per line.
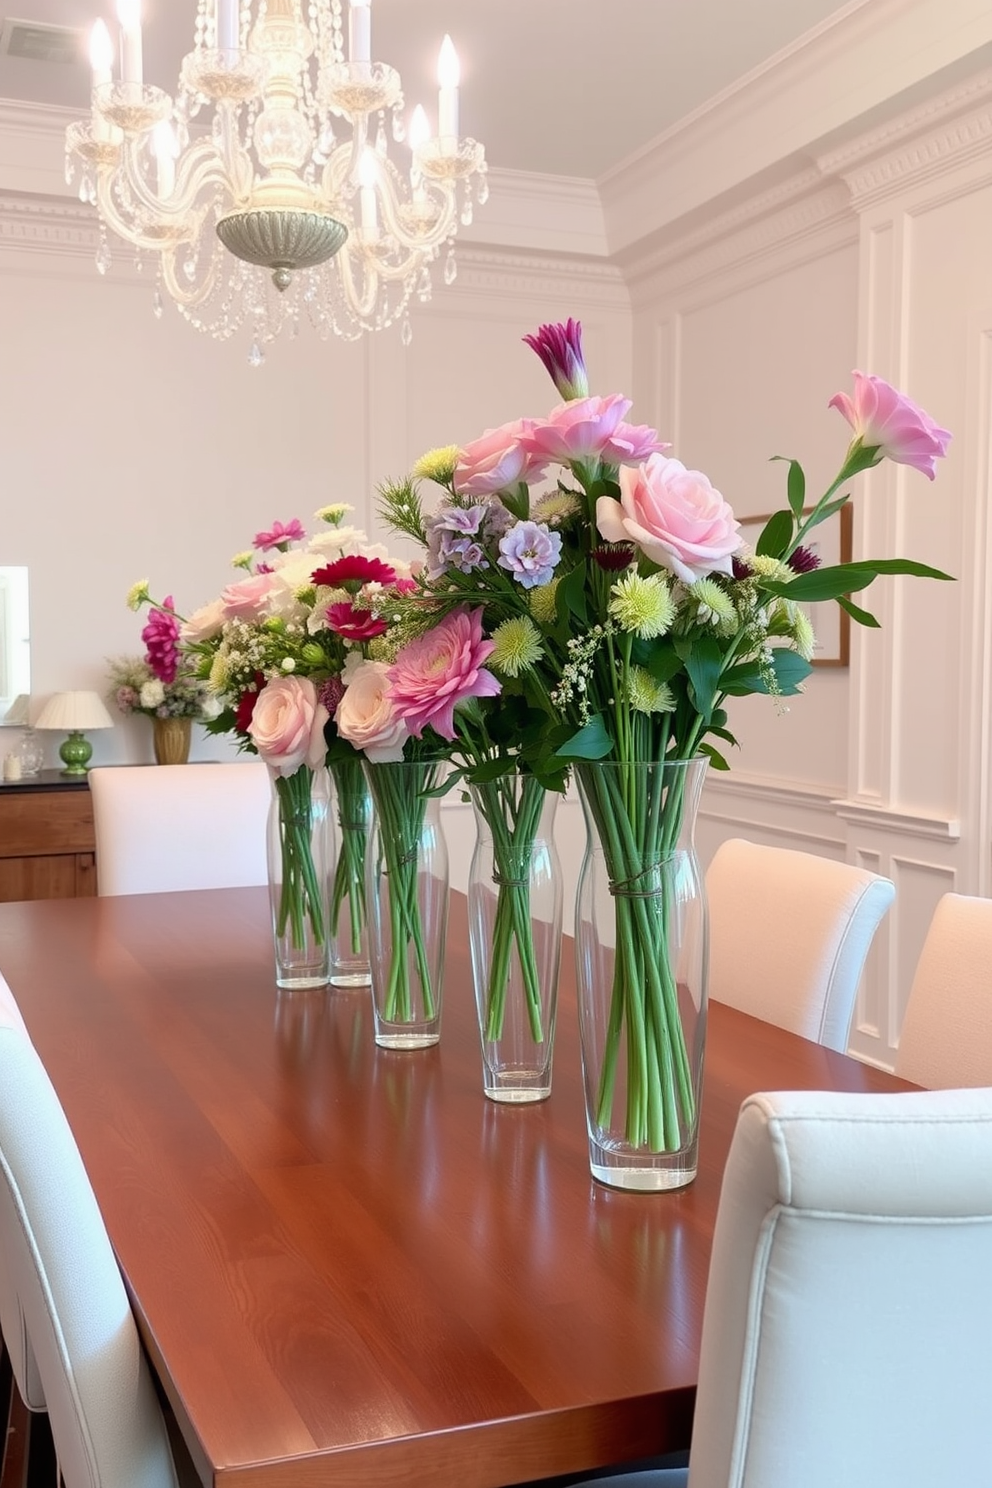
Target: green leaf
828	511
776	535
905	566
863	617
847	578
592	742
704	665
796	488
571	593
716	759
789	668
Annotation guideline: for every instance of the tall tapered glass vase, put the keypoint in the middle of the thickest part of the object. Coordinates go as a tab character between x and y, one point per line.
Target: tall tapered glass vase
515	921
641	966
298	866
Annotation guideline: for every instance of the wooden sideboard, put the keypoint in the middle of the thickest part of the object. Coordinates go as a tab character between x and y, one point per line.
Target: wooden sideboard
47	847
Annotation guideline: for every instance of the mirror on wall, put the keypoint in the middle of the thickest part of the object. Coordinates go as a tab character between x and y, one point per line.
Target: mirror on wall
15	639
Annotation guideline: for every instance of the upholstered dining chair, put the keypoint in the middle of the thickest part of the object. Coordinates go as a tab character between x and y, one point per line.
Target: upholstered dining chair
160	828
108	1427
849	1303
946	1036
789	933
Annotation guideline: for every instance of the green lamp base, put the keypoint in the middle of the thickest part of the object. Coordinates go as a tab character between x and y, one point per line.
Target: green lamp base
75	754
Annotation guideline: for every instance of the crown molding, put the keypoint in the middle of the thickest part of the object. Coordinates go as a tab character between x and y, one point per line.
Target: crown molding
859	60
952	128
557	214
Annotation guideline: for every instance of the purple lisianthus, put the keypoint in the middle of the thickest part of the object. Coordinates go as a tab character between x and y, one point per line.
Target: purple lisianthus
560	349
452	542
530	552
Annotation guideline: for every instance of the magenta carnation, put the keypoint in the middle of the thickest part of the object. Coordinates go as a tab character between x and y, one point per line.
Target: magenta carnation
560	349
280	536
161	638
439	670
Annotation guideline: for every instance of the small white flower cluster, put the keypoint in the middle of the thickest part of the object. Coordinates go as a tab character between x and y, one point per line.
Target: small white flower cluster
574	683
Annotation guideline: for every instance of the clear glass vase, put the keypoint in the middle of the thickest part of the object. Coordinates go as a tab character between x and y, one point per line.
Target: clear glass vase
407	897
641	965
297	846
514	914
351	812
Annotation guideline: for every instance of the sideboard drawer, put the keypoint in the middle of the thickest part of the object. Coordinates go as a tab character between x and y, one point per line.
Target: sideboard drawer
45	822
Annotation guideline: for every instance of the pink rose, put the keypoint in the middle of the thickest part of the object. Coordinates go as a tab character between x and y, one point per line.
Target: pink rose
886	420
246	599
592	428
674	516
439	670
287	725
496	461
366	717
206	622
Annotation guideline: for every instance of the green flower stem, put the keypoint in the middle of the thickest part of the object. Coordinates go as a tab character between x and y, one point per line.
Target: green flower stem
638	831
348	889
300	895
511	806
401	813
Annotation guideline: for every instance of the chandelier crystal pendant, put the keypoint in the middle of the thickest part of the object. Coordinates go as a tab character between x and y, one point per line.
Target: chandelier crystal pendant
266	190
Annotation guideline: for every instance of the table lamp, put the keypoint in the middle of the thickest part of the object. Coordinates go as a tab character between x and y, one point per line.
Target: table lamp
73	712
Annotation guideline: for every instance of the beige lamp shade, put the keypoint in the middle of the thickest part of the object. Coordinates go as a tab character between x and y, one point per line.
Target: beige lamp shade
18	712
74	713
70	711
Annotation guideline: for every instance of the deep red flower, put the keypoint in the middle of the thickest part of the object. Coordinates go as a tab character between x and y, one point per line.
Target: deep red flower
613	556
330	694
742	569
161	638
354	569
246	704
352	624
803	560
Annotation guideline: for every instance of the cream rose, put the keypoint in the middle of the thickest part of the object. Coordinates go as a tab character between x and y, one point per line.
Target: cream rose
674	516
287	726
205	622
366	717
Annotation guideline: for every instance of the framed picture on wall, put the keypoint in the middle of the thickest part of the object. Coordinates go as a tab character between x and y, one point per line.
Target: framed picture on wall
831	541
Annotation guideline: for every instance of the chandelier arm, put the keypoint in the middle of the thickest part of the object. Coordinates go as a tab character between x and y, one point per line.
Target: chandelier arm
360	305
188	297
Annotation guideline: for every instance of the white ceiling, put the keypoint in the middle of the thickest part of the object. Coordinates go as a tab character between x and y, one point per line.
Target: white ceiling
567	87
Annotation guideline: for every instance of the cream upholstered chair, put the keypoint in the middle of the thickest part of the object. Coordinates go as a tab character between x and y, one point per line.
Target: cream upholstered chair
160	828
108	1427
789	933
849	1304
946	1036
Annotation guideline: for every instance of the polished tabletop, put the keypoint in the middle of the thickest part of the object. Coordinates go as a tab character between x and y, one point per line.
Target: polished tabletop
348	1266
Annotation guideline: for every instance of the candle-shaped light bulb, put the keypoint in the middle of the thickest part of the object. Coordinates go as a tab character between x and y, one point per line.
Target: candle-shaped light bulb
368	175
360	31
101	54
448	73
228	38
129	15
165	149
417	136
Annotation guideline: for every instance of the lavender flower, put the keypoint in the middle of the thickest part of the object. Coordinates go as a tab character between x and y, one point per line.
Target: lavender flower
560	349
451	540
530	552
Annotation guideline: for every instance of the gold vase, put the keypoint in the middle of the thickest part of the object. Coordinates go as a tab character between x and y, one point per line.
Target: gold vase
172	740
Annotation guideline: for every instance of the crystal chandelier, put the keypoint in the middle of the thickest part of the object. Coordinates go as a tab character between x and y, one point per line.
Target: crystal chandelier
265	190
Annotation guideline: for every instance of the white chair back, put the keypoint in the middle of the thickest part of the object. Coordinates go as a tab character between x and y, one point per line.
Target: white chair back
849	1305
106	1421
161	828
789	934
946	1037
12	1324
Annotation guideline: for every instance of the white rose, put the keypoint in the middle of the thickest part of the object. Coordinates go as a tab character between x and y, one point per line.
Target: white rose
205	622
366	717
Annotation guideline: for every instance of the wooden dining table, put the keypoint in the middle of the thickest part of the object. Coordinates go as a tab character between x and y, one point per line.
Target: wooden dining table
348	1267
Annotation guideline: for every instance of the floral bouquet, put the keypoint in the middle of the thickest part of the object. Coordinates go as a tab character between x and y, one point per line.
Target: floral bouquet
272	650
622	610
160	684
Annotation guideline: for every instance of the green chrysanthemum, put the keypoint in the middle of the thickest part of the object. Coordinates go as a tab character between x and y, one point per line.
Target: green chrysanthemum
243	560
801	630
765	567
334	514
517	646
711	605
438	464
138	595
641	605
543	605
556	507
645	695
219	673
